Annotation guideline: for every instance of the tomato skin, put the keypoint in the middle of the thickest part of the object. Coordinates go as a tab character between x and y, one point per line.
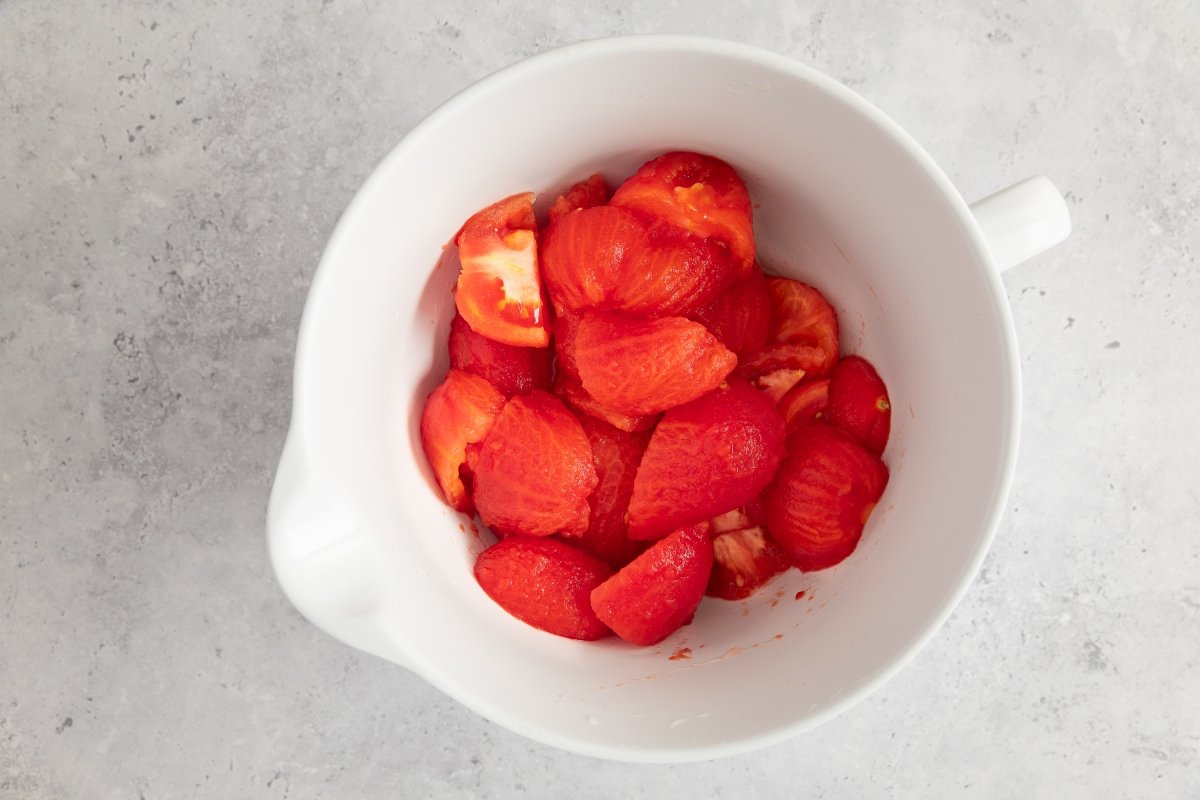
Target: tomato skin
499	291
698	193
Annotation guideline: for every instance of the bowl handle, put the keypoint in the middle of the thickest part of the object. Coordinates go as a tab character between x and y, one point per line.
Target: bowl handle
320	557
1022	221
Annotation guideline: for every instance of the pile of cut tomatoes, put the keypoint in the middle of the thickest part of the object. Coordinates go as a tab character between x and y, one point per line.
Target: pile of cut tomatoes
640	414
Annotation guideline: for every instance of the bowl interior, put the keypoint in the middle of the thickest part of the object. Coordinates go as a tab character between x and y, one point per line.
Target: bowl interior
843	201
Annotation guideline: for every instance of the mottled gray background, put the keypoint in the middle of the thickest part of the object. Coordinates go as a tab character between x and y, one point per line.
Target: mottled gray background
169	173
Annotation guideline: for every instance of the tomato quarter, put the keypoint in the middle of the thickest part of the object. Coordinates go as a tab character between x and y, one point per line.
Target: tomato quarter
499	290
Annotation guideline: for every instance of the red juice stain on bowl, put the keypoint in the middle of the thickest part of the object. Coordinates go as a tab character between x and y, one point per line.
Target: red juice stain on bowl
471	528
682	654
800	594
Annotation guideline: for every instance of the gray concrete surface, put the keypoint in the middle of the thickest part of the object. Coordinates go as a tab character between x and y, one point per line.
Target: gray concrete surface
168	176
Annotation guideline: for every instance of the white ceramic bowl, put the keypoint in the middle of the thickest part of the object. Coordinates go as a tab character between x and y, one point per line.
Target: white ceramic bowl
366	549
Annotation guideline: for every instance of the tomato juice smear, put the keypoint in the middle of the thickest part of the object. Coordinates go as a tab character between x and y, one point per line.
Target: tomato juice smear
735	650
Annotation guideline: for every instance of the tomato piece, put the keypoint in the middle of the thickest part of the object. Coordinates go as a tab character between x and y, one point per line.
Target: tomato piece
740	317
705	458
571	392
584	194
566	326
616	454
568	386
698	193
676	273
655	594
822	496
619	259
535	469
639	367
804	403
586	253
803	333
458	414
545	583
512	370
800	312
859	404
499	290
744	559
